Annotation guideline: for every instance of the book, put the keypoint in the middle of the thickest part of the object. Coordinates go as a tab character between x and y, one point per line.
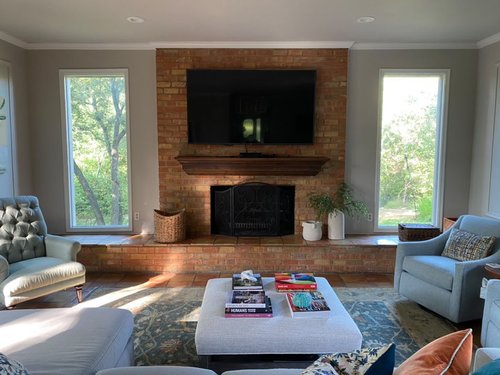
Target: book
259	315
246	298
251	310
244	284
318	308
286	281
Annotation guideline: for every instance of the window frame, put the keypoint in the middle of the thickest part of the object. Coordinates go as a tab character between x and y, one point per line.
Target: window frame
492	206
12	136
439	165
66	124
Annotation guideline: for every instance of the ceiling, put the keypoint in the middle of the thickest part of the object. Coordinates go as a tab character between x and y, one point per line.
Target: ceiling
49	23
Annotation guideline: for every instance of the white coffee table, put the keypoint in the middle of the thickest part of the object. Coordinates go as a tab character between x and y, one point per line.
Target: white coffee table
281	334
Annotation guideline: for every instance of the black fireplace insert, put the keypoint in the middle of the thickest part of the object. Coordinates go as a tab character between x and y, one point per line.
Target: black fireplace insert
252	209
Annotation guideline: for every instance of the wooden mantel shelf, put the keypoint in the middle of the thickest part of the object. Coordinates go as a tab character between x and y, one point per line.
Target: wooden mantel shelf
252	166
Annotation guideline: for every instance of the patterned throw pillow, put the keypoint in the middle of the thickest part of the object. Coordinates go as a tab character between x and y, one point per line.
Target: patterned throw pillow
319	368
463	245
10	366
367	361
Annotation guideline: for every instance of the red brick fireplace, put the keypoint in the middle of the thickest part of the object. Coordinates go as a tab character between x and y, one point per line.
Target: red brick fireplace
180	190
202	253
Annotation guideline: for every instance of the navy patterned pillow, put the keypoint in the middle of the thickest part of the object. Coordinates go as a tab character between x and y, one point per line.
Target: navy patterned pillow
9	366
366	361
463	245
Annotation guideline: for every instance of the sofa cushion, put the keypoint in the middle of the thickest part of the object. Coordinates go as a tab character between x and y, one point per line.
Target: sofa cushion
71	341
436	270
39	272
450	355
9	366
463	245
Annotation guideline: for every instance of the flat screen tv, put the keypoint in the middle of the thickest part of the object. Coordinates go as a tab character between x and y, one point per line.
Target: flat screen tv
251	106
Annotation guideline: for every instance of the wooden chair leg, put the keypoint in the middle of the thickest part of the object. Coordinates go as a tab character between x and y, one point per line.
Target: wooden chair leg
79	293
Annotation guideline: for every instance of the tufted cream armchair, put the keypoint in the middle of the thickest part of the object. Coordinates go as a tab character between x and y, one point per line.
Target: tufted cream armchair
32	262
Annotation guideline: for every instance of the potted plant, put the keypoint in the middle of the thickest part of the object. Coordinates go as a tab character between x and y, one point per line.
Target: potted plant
336	206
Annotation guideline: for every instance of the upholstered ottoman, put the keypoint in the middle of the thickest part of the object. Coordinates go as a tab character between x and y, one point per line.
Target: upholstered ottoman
279	335
73	341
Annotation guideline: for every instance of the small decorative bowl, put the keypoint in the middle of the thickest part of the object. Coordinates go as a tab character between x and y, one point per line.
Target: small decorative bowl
302	300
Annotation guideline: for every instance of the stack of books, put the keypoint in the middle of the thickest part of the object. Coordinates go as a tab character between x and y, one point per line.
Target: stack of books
295	282
248	299
317	309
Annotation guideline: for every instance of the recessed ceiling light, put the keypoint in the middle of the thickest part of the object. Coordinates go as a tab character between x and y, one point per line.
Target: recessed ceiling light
367	19
135	19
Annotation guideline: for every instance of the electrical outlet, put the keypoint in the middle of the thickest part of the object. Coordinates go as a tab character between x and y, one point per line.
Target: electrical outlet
136	216
369	217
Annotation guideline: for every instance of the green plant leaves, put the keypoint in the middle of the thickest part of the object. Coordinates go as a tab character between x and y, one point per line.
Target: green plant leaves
342	200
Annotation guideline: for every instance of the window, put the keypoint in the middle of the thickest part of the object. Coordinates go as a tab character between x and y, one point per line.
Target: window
411	147
96	130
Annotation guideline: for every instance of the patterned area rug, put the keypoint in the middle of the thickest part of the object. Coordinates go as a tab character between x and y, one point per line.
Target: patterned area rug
165	320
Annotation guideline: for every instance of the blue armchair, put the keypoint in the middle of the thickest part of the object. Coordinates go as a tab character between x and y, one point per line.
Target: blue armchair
446	286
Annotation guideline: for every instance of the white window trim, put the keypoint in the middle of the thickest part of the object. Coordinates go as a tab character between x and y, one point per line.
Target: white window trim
12	130
67	151
493	211
439	166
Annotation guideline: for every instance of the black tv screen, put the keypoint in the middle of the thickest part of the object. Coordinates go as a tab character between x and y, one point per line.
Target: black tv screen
251	106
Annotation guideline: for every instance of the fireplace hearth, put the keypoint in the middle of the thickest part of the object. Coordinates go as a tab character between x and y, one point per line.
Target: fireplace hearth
252	209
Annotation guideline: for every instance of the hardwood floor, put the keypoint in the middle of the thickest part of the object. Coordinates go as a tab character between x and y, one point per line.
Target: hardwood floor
67	298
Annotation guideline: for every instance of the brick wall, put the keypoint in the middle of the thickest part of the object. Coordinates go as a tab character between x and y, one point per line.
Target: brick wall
184	258
178	189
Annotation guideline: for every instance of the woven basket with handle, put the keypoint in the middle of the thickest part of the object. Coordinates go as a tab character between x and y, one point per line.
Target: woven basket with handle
170	226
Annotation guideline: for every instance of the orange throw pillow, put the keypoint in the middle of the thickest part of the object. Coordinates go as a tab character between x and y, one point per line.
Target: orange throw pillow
450	355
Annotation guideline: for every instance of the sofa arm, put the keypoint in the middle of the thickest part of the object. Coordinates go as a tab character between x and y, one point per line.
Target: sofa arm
488	336
4	268
484	356
473	270
62	248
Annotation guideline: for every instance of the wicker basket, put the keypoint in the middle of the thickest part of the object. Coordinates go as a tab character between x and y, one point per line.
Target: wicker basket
170	226
417	232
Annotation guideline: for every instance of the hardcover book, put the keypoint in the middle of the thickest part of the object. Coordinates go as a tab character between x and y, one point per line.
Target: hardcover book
245	284
260	315
317	309
285	281
246	298
250	312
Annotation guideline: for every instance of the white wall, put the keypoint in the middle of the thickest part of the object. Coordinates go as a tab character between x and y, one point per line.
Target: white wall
362	115
17	58
46	131
488	58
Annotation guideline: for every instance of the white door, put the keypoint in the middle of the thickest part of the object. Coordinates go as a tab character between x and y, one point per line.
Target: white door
6	160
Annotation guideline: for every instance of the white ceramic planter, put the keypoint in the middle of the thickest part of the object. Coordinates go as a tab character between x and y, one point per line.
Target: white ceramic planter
311	230
336	225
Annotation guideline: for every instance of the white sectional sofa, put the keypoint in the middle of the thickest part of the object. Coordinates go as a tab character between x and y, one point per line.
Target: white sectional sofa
69	341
